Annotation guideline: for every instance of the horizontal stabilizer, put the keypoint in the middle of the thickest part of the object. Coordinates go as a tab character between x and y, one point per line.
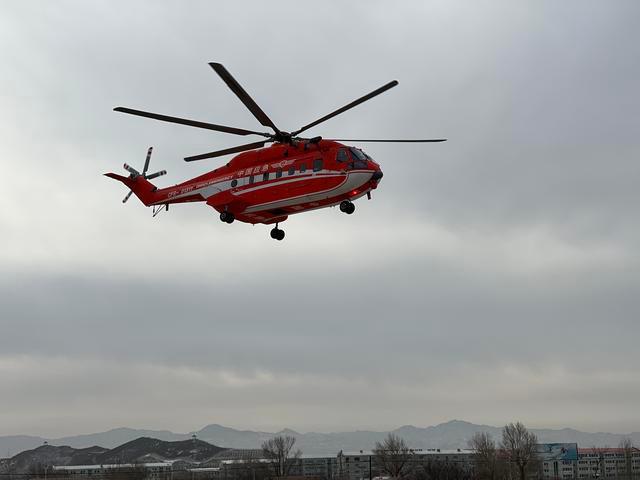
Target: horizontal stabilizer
115	176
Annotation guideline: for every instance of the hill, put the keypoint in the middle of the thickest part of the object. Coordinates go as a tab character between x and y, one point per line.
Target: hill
142	449
147	449
29	460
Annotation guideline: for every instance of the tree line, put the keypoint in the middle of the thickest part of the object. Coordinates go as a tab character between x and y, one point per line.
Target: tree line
514	458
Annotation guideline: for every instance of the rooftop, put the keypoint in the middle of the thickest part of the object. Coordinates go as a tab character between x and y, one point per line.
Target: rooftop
113	466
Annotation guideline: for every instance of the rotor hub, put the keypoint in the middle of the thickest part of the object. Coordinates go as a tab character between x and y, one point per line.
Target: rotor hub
283	137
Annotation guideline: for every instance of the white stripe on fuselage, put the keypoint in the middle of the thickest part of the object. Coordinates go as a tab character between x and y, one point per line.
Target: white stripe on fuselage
217	187
353	180
322	173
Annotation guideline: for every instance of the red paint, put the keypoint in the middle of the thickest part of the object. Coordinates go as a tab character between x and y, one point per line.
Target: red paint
272	200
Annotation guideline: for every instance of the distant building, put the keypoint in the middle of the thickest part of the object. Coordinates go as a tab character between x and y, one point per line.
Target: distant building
594	463
243	465
557	462
359	465
608	463
152	471
362	465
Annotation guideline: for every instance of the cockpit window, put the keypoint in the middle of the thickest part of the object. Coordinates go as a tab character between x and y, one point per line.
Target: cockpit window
342	155
360	159
358	154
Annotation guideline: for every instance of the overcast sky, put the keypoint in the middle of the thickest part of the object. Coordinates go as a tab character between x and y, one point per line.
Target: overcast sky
492	278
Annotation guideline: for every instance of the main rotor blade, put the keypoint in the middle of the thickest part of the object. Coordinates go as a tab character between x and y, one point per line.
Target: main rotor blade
191	123
243	96
226	151
368	96
388	141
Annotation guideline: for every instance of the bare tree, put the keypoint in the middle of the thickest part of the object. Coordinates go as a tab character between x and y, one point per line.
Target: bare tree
485	455
627	447
393	456
598	466
519	446
280	451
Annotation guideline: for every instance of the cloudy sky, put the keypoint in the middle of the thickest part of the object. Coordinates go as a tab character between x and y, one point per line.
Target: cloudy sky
492	278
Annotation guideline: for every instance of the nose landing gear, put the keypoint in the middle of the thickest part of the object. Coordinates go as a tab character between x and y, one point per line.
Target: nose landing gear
227	217
347	207
276	233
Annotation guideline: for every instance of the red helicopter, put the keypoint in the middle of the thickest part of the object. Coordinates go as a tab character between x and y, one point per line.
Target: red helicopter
266	185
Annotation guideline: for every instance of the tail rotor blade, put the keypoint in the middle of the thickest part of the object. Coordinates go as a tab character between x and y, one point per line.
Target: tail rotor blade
146	162
133	180
131	170
157	174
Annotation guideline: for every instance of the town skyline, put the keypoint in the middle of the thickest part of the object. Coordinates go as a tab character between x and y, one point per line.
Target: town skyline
450	434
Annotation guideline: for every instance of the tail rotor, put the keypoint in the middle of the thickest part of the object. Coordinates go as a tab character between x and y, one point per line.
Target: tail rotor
146	161
133	173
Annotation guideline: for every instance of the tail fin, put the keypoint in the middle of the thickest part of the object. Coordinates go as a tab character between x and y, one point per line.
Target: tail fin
139	182
143	188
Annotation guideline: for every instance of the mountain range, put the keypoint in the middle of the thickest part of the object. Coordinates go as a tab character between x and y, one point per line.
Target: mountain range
140	450
452	434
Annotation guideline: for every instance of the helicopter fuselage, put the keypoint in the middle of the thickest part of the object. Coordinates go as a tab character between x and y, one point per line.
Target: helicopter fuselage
269	184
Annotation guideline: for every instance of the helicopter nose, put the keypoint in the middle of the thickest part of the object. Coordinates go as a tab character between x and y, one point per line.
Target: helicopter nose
377	175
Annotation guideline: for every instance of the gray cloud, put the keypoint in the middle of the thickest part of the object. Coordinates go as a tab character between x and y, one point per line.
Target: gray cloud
491	278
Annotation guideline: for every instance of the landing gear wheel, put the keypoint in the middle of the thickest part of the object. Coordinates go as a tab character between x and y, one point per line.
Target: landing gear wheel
227	217
347	207
277	234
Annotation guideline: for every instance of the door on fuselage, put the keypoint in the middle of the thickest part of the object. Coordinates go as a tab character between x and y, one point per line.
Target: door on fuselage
277	188
299	174
313	181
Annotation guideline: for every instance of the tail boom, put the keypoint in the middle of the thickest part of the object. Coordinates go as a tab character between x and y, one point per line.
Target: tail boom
146	191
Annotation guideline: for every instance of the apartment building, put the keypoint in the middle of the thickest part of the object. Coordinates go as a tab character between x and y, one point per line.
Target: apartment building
608	463
605	463
152	471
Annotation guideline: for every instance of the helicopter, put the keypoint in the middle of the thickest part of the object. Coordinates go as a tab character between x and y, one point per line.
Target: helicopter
267	184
